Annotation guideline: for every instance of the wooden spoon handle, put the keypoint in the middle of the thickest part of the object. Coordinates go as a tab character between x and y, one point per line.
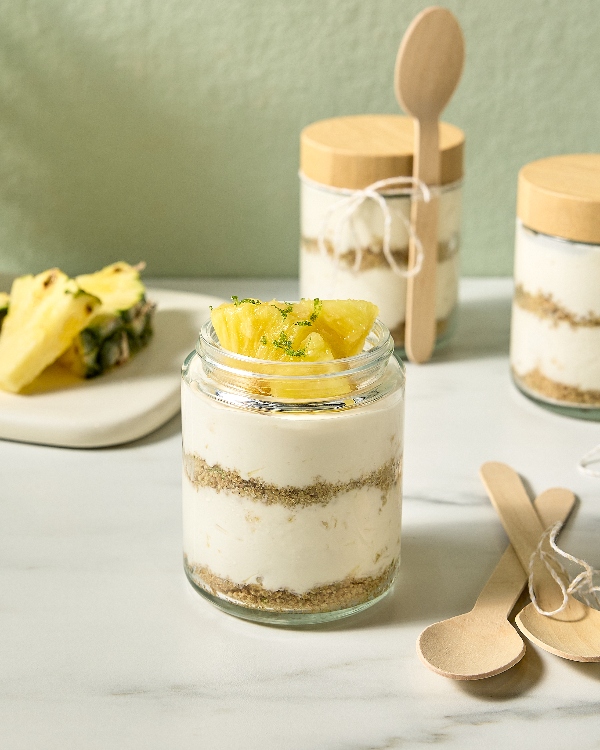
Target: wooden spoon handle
420	292
505	584
512	503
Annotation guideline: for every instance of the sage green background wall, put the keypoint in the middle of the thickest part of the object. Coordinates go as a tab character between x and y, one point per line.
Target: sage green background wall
168	130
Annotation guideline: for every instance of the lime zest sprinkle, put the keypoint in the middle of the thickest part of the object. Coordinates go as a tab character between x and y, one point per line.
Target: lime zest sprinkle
303	323
283	341
317	307
286	310
237	302
263	340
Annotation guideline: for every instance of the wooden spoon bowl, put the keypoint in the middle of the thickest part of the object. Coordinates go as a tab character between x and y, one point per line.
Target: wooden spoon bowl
482	643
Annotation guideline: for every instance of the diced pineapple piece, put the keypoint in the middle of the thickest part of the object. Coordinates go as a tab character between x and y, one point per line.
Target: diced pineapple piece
46	312
121	326
306	331
4	298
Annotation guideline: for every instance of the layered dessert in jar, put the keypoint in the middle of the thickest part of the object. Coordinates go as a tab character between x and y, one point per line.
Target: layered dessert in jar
342	235
555	332
292	441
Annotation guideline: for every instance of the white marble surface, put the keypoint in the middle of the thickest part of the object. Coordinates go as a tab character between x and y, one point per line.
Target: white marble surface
103	644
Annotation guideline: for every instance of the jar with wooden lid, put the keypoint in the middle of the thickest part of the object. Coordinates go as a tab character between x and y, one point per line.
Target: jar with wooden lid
343	225
555	332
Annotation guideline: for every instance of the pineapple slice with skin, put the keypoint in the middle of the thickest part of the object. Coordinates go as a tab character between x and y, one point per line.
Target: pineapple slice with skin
45	314
4	299
121	326
306	331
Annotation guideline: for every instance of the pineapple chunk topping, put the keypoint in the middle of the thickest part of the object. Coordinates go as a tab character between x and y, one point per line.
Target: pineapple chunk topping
319	331
306	331
46	312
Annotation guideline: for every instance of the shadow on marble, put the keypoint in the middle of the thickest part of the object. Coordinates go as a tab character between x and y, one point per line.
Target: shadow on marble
483	330
589	669
441	575
513	683
166	431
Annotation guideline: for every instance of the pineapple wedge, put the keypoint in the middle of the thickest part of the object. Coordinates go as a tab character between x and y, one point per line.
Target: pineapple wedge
46	312
121	326
4	298
319	331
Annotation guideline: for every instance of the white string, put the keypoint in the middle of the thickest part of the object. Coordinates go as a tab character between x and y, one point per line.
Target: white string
582	583
591	457
350	203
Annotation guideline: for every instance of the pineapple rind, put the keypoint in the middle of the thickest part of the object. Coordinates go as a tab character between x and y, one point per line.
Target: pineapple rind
4	299
122	324
46	313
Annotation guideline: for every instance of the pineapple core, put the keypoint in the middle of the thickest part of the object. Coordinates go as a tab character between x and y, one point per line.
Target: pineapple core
306	331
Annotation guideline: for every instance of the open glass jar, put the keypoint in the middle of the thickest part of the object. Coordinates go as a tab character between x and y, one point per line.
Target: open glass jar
341	247
292	498
555	332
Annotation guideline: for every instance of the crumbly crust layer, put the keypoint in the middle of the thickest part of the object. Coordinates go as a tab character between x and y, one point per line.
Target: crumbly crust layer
537	382
372	256
342	594
320	492
545	306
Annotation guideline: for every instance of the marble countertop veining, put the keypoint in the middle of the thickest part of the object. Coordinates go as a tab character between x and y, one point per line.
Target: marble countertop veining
103	644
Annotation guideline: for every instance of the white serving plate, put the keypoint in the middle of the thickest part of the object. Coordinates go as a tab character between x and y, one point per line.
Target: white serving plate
123	405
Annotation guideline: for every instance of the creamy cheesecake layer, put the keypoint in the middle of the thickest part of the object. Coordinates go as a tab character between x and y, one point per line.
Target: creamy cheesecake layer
566	271
291	449
564	354
354	535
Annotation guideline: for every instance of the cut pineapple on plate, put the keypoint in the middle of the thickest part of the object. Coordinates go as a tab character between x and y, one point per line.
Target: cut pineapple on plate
309	331
45	314
121	326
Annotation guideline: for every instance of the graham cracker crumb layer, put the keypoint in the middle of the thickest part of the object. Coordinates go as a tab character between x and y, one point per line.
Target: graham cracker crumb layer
320	492
537	382
399	332
343	594
372	256
544	306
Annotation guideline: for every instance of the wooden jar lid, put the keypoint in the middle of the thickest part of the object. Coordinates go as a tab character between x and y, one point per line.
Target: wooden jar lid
353	152
560	196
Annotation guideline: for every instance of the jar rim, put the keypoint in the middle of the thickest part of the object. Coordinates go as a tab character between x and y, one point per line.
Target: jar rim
379	338
565	240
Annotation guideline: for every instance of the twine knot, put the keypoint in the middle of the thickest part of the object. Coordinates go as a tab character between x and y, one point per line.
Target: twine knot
349	204
582	583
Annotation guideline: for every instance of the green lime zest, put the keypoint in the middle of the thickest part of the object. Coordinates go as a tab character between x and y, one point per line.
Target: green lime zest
284	342
286	310
317	307
237	302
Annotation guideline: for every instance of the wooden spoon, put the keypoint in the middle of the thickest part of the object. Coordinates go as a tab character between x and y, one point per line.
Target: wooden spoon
482	642
428	68
574	633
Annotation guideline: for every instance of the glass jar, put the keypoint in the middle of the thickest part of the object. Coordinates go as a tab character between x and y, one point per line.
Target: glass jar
555	330
292	502
339	159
